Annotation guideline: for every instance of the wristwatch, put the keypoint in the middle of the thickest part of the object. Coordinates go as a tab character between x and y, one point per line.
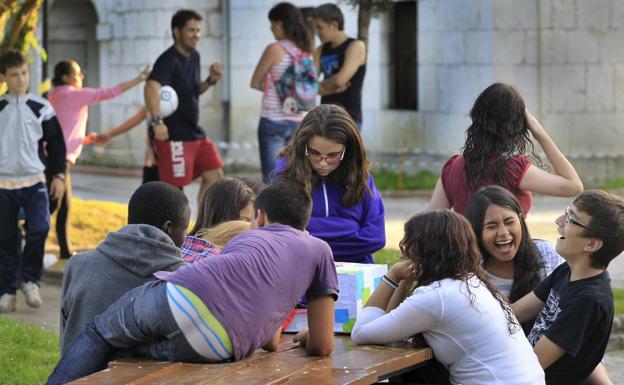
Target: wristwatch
60	176
154	120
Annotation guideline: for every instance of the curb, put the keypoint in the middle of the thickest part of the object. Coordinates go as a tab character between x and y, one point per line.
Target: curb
116	171
616	342
53	277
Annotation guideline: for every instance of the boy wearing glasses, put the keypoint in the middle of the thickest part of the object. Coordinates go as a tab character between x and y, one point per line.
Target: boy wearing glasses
574	305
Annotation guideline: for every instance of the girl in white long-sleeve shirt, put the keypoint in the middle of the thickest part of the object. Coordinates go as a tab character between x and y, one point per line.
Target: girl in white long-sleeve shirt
471	330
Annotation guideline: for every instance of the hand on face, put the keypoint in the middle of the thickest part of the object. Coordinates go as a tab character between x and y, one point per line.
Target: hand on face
404	270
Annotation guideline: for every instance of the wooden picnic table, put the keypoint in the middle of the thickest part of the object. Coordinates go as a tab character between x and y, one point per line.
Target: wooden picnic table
349	364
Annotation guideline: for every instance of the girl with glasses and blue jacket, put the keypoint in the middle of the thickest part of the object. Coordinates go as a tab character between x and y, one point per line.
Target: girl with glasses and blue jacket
327	155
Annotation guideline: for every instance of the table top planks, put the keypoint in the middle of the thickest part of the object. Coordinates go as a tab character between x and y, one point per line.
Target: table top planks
349	364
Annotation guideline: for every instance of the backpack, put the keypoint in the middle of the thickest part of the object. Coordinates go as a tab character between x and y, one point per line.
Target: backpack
297	88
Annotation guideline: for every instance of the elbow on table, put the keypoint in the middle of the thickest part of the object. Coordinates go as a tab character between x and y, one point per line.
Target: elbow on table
356	336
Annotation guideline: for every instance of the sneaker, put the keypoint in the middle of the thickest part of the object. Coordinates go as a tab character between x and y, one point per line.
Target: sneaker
49	260
8	303
31	292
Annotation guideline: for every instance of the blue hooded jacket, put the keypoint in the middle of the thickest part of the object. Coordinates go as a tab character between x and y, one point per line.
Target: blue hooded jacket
353	232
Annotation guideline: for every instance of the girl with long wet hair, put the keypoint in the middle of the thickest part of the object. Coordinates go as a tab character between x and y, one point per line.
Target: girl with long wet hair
495	152
327	156
462	317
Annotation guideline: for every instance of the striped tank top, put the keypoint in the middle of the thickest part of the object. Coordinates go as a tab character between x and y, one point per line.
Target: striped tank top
271	104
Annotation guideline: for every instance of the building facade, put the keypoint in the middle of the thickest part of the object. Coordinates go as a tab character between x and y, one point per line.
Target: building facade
427	62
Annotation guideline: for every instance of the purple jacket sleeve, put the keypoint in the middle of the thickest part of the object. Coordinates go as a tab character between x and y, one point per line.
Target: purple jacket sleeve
352	240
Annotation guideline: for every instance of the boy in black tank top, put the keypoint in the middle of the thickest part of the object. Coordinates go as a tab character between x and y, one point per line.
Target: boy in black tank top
341	60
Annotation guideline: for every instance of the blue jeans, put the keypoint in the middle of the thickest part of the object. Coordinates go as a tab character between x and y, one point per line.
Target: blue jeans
34	202
272	135
140	321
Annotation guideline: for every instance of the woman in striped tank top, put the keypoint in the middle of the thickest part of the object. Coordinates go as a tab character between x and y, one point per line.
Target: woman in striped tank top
276	125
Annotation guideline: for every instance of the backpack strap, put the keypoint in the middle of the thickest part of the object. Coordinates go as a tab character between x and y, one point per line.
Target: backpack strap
269	73
290	51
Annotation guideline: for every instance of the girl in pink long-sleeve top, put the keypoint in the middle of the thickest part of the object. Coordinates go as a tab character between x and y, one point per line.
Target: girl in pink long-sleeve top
71	101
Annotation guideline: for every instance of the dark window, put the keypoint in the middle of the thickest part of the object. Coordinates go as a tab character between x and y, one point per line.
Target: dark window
403	56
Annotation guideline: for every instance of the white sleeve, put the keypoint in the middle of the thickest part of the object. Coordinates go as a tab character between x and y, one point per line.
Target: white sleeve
549	254
418	313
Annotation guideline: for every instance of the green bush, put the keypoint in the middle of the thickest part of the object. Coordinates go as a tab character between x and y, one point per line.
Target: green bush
388	180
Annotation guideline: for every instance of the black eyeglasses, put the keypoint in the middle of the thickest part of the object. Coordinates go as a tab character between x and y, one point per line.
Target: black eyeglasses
569	219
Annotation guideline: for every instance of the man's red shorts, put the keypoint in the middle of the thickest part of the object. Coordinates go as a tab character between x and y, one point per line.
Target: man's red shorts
180	163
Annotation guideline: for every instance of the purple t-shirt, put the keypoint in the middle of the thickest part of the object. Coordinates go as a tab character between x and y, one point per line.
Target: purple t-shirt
258	279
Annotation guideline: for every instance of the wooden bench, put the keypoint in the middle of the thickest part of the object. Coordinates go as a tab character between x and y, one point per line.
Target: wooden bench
349	364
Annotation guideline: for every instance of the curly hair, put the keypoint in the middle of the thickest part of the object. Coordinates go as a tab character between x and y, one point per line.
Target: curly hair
499	130
442	244
527	261
293	25
333	123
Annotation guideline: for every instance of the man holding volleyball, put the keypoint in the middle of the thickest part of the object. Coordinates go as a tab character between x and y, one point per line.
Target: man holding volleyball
183	150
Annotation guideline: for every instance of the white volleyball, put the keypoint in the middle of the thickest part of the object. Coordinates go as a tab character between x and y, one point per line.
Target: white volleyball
168	101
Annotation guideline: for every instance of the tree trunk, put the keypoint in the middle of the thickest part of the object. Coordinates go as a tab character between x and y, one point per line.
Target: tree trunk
28	10
5	14
364	19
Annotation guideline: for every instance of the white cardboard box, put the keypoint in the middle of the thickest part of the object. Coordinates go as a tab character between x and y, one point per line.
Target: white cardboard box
357	281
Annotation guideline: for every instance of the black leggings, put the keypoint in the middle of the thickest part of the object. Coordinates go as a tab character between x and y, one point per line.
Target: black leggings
62	216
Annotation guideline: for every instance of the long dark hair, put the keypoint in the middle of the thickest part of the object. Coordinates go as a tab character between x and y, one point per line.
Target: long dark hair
62	68
442	244
334	123
223	201
499	130
293	25
527	262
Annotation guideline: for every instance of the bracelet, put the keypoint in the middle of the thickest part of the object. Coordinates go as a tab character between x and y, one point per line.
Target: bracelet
154	120
209	82
389	281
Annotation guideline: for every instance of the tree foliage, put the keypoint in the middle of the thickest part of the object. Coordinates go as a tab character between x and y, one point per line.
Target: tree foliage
367	9
18	21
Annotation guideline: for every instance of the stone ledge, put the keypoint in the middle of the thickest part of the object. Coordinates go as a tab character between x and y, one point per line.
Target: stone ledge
616	342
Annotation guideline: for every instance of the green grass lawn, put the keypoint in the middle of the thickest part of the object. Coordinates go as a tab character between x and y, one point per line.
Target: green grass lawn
27	353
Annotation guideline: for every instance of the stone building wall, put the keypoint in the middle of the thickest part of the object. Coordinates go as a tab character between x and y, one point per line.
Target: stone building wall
565	57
